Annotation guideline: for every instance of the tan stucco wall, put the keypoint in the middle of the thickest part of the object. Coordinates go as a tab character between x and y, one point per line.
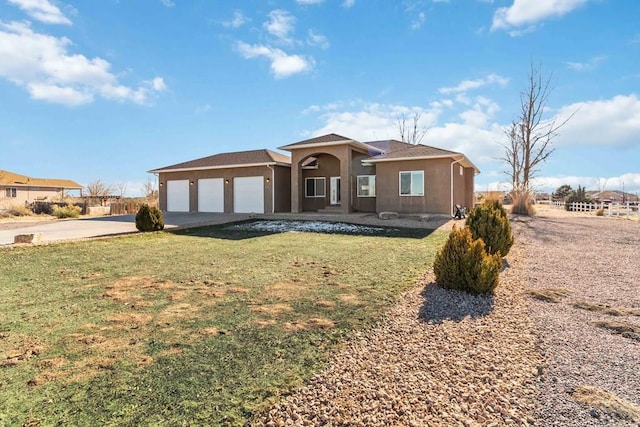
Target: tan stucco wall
361	204
437	186
282	186
228	175
328	166
26	195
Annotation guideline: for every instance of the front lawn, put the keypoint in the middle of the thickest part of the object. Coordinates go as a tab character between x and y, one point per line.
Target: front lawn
205	326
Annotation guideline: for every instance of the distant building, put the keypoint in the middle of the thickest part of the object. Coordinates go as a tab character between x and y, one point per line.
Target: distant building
16	189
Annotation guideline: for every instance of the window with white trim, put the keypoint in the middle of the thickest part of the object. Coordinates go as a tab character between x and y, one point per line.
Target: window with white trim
11	192
314	187
366	186
412	183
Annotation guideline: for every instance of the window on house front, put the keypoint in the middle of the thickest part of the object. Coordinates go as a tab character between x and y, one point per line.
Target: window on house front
314	187
366	186
412	183
11	192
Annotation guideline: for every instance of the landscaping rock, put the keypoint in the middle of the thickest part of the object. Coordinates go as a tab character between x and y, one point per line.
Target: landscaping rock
28	238
388	215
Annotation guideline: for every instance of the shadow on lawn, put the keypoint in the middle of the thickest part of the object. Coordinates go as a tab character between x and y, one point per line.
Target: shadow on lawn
260	227
442	304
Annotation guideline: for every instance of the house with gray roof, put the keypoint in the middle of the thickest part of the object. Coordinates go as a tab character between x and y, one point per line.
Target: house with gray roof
329	173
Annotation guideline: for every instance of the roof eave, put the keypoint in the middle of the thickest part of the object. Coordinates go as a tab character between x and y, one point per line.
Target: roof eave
351	142
459	156
201	168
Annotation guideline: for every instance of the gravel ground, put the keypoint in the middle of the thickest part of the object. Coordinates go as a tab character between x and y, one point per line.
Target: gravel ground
444	358
595	260
438	358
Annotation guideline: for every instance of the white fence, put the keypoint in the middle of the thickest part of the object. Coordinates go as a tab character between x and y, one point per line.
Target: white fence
627	210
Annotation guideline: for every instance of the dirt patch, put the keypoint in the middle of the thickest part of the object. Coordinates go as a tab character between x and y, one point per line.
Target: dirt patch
18	348
210	332
313	323
53	363
265	323
607	402
129	319
287	290
325	304
46	377
178	296
351	299
549	294
626	329
272	310
175	313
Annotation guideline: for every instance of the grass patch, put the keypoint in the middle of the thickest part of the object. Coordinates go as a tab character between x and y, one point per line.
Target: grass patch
626	329
607	402
549	294
605	309
196	327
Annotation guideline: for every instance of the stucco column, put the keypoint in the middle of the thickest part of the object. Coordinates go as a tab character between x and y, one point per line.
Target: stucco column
295	183
345	181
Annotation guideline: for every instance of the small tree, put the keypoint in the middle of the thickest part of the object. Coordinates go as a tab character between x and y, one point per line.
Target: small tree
563	192
149	218
464	264
150	192
490	222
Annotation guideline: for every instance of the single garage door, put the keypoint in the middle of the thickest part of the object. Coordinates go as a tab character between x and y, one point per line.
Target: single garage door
178	195
248	194
211	195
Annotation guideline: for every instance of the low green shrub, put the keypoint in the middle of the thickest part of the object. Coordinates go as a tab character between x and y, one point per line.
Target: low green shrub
149	218
68	211
464	264
490	222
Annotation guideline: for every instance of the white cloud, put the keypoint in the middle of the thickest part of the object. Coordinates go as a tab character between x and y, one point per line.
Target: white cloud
42	10
610	122
586	66
42	64
527	13
281	25
309	1
319	40
348	3
466	85
418	21
282	64
591	183
168	3
237	21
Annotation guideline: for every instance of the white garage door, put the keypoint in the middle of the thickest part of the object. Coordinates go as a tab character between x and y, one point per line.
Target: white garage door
211	195
248	194
178	196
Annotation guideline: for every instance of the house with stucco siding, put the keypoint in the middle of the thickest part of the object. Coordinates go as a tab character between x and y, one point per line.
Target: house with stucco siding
329	173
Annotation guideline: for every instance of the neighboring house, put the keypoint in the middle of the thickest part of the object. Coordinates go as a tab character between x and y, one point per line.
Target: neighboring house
18	189
327	173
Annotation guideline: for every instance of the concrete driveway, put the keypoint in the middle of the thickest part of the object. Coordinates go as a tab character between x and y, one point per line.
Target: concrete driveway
106	225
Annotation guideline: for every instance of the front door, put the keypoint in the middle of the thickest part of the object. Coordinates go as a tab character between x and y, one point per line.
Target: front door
335	190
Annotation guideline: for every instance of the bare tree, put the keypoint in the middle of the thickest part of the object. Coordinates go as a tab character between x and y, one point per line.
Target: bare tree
531	135
149	190
121	189
98	189
411	130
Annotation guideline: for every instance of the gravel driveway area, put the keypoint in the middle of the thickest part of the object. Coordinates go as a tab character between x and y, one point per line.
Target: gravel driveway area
526	356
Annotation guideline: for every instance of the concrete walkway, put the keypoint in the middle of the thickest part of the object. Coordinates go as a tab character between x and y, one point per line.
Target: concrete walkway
105	226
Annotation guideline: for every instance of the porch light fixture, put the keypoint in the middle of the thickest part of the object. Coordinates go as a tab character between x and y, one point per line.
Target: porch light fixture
161	184
226	181
191	183
268	180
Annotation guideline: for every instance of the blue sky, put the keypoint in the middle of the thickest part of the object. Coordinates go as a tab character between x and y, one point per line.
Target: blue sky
106	90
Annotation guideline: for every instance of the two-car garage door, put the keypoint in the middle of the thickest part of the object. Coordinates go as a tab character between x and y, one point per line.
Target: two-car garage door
248	195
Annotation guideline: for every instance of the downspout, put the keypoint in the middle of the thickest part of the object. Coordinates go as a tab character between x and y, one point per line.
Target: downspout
453	163
273	189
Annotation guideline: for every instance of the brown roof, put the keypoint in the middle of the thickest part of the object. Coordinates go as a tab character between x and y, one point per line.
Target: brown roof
238	158
332	137
417	151
14	179
389	145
